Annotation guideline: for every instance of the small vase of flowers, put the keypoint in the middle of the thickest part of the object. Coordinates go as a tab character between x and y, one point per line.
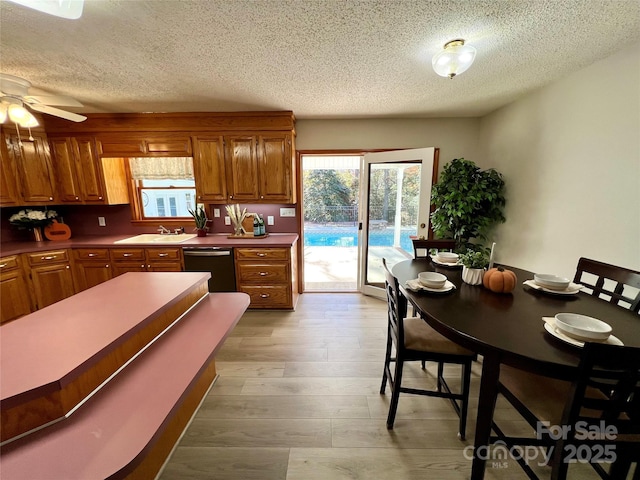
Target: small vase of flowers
473	265
33	220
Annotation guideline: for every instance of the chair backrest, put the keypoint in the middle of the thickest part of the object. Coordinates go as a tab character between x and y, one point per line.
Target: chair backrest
397	309
607	388
617	285
421	247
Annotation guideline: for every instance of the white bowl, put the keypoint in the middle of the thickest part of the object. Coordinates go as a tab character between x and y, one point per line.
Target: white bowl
552	282
447	257
432	279
582	327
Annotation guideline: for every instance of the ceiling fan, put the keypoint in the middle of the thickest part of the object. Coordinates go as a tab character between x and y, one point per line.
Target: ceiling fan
14	96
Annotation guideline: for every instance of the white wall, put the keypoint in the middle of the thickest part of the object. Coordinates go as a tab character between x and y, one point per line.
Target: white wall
570	155
456	137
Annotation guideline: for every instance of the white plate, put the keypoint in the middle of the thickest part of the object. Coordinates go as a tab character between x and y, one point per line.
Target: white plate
612	340
416	286
444	264
572	289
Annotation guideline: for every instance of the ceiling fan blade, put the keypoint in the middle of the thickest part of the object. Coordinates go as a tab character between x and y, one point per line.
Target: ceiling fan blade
54	100
56	112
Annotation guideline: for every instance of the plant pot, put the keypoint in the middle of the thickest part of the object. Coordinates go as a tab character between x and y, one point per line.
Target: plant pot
201	232
472	276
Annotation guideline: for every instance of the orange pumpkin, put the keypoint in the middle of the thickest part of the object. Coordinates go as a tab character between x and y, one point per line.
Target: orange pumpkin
500	280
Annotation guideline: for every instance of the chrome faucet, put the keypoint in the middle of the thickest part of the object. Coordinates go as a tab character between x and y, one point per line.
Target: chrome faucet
163	230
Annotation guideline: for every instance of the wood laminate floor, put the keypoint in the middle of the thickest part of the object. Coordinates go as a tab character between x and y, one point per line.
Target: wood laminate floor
298	399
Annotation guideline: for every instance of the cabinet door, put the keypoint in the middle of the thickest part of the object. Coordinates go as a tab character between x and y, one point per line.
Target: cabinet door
89	170
14	290
275	168
65	170
35	174
208	169
51	283
242	176
164	267
118	268
90	274
8	185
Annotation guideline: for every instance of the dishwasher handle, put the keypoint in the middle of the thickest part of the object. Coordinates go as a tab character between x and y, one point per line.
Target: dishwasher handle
206	253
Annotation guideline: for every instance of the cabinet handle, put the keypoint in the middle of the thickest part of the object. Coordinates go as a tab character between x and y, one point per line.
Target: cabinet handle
50	257
51	199
230	196
263	274
261	197
67	267
261	254
127	254
163	254
77	198
92	255
99	198
264	295
2	265
106	266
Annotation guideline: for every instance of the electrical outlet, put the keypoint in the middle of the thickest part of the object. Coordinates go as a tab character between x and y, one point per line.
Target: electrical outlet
227	220
287	212
216	212
270	220
102	222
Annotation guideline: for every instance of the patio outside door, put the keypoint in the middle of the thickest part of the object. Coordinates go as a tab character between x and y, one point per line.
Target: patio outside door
394	205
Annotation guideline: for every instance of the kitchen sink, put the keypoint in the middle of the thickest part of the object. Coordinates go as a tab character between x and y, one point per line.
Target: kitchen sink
158	238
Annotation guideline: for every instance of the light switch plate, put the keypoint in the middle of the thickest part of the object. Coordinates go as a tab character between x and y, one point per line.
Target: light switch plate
270	220
102	222
216	212
227	220
287	212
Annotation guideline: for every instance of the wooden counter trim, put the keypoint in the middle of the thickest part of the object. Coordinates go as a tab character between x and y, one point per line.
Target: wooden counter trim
128	428
25	410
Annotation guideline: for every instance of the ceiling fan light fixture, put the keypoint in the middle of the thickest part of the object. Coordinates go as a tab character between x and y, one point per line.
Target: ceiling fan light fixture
20	115
454	59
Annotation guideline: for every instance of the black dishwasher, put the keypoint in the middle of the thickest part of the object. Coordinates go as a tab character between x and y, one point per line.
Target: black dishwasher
217	261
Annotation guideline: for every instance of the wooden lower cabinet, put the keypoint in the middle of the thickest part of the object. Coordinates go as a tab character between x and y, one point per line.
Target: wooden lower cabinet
15	300
146	260
268	276
51	276
91	266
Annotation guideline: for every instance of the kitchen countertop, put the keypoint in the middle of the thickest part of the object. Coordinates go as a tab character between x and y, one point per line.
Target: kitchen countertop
283	240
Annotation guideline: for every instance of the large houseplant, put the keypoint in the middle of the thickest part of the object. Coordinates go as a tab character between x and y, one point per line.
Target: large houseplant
468	201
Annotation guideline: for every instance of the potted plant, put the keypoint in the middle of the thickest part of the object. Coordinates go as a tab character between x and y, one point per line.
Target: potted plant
33	220
473	265
468	202
200	217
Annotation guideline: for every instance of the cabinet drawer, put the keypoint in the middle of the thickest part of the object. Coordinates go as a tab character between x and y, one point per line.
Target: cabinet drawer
120	146
163	254
8	263
178	146
53	256
265	274
91	254
273	296
127	254
262	253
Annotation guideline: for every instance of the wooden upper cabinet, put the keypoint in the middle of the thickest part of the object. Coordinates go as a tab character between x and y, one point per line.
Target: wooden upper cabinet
275	169
144	144
66	170
242	175
33	164
209	168
84	178
8	181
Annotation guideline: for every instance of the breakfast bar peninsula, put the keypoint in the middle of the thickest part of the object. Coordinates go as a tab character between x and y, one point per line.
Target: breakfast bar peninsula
102	384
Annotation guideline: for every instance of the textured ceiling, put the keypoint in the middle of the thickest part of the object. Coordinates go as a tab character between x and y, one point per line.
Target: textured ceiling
319	58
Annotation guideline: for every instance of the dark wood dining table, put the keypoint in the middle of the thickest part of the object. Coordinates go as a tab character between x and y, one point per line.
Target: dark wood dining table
507	329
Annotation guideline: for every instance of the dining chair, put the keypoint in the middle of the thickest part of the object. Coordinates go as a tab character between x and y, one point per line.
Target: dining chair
617	285
421	246
414	340
603	400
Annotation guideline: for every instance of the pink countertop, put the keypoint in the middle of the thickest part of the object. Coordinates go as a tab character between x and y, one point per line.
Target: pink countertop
284	240
42	348
110	434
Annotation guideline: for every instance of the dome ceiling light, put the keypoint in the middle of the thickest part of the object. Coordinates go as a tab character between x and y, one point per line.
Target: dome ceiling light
455	58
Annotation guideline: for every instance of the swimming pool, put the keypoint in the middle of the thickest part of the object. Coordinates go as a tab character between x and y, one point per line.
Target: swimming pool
348	237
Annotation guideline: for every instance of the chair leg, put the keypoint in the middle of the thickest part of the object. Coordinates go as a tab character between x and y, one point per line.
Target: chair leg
423	364
440	373
395	392
387	360
464	404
